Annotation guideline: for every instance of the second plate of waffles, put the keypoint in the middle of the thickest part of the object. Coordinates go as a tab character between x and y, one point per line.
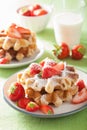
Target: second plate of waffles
18	47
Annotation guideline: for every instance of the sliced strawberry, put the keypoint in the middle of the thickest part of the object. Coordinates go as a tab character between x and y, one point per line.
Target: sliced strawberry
28	13
59	66
29	10
13	32
42	63
32	107
34	68
36	6
48	61
46	109
80	97
52	68
81	85
40	12
22	10
22	30
4	61
48	72
22	102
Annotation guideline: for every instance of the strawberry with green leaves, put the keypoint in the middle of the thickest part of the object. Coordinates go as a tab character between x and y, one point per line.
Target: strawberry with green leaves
32	106
16	91
78	52
46	109
61	51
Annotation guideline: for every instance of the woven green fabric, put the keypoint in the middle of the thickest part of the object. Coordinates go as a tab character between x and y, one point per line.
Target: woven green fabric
11	119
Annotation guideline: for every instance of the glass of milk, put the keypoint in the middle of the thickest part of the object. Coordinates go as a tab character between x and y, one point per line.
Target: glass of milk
67	27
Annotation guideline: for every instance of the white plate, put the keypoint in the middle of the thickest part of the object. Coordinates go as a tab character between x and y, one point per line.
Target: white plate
38	53
64	110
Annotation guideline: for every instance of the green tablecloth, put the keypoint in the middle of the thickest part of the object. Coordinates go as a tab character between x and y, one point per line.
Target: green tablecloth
11	119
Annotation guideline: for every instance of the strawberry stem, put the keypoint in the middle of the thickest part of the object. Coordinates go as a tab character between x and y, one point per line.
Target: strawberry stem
50	112
12	89
31	105
81	50
57	50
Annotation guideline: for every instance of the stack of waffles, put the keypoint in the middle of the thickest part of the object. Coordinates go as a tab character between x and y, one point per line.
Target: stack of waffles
49	82
17	43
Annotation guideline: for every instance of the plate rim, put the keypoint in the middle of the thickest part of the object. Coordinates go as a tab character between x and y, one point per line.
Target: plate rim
43	115
12	104
40	49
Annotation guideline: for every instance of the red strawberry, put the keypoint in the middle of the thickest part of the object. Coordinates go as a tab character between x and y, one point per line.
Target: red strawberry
32	107
22	30
36	6
78	52
48	61
40	12
80	97
15	31
42	63
59	66
26	10
29	10
81	85
28	13
4	60
22	102
16	91
61	51
46	109
48	72
34	68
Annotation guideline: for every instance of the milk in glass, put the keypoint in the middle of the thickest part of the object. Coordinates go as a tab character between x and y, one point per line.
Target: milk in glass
67	28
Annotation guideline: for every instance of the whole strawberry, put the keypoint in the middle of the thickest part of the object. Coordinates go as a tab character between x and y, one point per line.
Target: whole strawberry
61	51
78	52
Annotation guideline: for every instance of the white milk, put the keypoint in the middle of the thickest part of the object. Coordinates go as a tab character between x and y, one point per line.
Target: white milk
67	28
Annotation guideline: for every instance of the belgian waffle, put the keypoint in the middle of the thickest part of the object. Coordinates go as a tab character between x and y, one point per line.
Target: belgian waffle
17	48
54	90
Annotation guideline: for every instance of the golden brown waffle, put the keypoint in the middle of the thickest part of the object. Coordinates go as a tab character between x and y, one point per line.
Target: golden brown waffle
14	48
54	90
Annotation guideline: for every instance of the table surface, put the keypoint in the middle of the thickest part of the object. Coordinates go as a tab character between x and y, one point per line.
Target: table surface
14	120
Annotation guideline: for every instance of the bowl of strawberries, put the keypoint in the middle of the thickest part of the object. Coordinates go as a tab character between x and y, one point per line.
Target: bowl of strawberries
34	16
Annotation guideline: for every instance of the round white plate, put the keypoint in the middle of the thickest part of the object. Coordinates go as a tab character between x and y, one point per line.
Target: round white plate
38	53
64	110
